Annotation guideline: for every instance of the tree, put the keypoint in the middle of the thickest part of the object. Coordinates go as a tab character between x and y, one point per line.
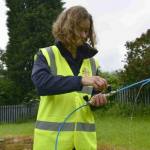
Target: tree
137	65
8	92
29	25
112	79
2	64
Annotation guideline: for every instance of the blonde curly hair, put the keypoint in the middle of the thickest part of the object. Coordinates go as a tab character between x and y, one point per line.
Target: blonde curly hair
66	27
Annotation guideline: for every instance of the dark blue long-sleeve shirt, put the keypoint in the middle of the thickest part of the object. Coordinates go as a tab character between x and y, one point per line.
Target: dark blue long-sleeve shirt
48	84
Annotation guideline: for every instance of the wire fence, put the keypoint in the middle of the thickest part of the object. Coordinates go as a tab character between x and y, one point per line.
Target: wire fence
128	96
16	113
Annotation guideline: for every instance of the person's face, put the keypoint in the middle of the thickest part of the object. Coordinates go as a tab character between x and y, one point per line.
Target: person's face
83	30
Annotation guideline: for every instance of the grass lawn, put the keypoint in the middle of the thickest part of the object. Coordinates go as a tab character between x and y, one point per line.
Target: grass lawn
17	129
123	133
113	133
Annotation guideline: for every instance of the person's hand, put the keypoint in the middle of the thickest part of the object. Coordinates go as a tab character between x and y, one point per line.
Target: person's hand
97	82
98	100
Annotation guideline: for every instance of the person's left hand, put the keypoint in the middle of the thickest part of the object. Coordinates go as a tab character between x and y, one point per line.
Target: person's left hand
98	100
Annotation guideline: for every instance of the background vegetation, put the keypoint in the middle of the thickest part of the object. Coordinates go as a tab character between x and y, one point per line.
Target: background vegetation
29	28
113	132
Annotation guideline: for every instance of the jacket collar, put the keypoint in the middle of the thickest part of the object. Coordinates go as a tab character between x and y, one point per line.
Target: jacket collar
84	51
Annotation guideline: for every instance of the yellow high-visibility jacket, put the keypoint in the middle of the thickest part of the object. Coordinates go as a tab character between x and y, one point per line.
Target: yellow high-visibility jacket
79	130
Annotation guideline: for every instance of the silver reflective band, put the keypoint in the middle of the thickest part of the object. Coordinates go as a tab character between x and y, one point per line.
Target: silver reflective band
90	127
89	89
52	60
53	68
54	126
93	66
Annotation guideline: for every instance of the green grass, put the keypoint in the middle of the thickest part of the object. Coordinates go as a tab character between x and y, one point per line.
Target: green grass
17	129
112	131
122	132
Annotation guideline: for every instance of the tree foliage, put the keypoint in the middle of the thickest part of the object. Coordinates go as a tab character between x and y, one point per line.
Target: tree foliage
9	93
2	63
112	78
29	28
137	65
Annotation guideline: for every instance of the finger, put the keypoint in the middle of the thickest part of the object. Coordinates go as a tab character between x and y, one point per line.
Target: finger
101	102
92	101
101	83
98	102
105	99
96	87
102	99
104	82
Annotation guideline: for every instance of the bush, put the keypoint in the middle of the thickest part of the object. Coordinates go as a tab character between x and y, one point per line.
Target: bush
9	93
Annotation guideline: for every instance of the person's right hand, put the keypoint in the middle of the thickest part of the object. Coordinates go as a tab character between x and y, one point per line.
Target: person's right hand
97	82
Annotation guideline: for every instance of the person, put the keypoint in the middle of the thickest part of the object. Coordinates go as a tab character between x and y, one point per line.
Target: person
63	75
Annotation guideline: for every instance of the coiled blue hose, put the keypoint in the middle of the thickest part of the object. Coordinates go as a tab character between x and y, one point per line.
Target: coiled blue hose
143	82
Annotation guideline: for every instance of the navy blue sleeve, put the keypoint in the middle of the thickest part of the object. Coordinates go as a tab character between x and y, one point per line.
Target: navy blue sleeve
48	84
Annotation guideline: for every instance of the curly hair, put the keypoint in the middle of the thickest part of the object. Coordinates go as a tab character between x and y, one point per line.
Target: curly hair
66	27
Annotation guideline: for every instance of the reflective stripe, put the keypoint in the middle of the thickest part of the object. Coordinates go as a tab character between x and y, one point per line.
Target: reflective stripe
89	89
93	66
53	63
46	55
98	71
85	89
85	127
52	60
54	126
